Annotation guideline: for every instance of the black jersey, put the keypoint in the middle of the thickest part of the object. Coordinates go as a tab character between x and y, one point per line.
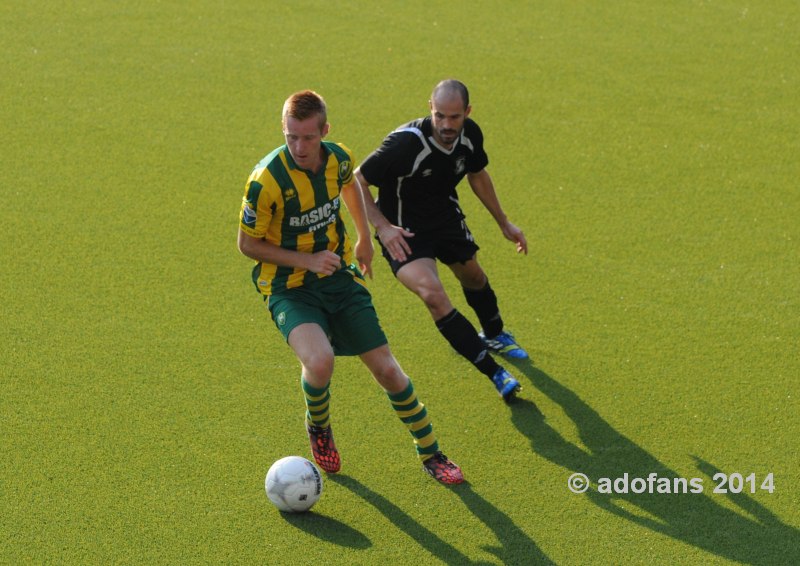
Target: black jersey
416	177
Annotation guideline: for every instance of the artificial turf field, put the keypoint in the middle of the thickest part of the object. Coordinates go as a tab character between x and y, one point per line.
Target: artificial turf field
648	149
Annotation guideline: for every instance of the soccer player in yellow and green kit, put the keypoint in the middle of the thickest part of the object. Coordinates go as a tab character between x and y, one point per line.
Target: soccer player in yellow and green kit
291	225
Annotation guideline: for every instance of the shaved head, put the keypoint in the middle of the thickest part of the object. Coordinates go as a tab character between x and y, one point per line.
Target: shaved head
449	88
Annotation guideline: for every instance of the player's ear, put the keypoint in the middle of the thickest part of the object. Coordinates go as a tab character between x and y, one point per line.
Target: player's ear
325	129
468	110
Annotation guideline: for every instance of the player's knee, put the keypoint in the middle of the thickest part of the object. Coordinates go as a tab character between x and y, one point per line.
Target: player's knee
473	277
319	366
475	281
434	298
392	378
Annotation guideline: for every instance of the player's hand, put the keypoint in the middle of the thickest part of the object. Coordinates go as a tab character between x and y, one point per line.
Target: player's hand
364	252
325	262
514	234
393	239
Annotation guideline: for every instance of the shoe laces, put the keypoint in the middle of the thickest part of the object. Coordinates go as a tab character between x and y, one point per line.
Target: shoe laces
501	376
506	339
322	435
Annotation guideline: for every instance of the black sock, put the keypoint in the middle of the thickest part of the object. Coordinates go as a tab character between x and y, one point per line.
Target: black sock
464	339
484	303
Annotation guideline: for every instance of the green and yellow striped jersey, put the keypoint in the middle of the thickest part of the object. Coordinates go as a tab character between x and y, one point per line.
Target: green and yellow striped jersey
292	208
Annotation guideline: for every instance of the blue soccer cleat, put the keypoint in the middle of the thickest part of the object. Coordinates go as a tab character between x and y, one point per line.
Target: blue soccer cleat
505	384
505	345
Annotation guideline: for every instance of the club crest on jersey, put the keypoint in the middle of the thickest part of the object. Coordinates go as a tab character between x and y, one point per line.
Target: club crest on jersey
461	165
281	319
289	193
345	169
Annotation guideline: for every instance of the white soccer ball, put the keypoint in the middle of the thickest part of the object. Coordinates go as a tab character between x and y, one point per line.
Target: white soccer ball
293	484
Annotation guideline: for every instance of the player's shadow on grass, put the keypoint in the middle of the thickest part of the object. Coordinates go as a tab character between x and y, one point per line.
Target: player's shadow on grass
427	539
516	546
755	536
514	541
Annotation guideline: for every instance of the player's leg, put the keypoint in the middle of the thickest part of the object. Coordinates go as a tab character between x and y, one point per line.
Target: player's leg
310	343
303	324
412	412
479	294
481	297
455	247
312	348
355	330
421	277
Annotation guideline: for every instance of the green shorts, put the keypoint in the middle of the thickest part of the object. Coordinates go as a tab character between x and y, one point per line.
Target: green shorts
340	304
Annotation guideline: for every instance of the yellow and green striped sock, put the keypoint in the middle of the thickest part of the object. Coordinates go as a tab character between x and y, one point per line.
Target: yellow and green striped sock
317	401
414	415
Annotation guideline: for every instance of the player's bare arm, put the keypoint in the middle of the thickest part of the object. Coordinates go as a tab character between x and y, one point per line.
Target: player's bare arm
391	236
483	187
363	249
324	262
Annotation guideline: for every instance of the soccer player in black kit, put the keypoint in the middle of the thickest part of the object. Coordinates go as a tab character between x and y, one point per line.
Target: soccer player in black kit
418	221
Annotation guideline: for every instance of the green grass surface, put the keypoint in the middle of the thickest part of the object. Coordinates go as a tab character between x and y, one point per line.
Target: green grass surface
650	152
